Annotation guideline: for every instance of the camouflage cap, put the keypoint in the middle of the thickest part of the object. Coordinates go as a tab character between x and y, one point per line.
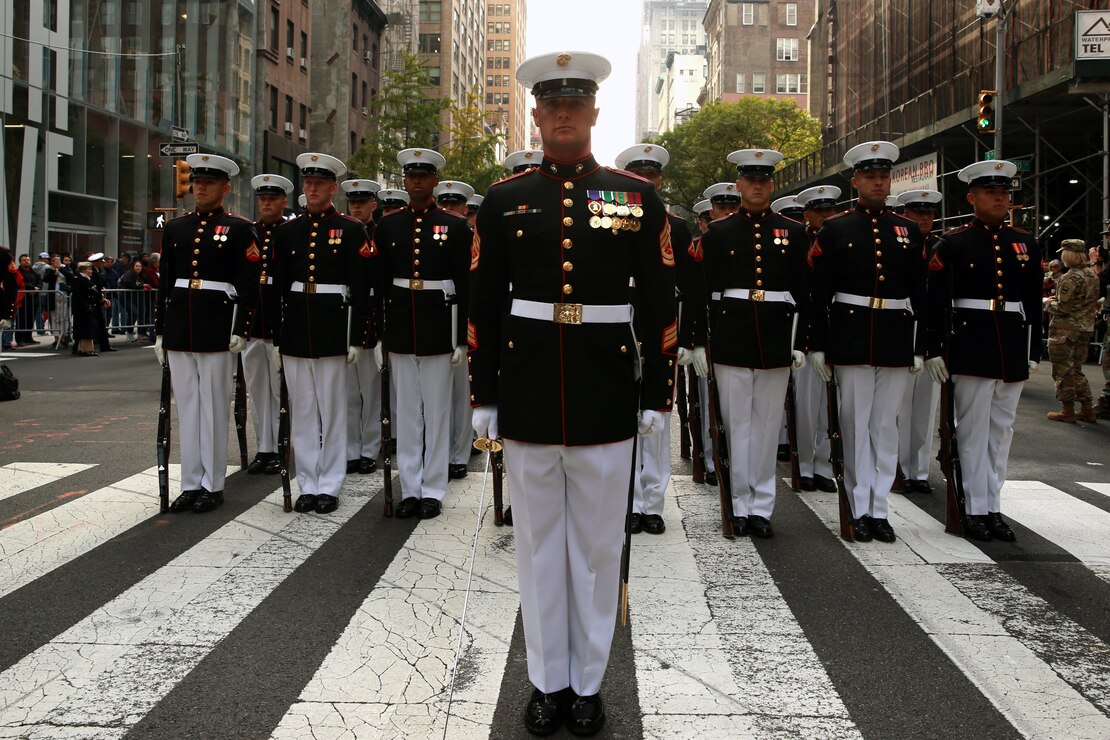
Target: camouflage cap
1073	245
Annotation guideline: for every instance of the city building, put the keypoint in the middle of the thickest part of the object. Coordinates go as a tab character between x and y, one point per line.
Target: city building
757	48
452	48
282	93
505	100
667	27
678	90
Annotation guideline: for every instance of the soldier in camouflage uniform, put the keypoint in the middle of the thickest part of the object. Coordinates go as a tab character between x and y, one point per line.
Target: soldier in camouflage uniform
1069	332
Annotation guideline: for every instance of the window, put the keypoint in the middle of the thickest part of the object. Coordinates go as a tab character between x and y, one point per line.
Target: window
790	84
489	80
289	111
434	75
759	83
431	11
290	38
273	108
304	45
489	98
304	121
275	25
747	14
364	87
354	38
792	14
740	82
354	91
786	50
429	43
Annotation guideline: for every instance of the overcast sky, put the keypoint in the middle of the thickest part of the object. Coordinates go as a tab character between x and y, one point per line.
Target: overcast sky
607	27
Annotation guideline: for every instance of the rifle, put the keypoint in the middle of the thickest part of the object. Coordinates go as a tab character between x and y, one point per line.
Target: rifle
720	450
240	409
949	458
497	461
792	434
164	425
389	443
284	423
697	444
626	551
683	416
836	459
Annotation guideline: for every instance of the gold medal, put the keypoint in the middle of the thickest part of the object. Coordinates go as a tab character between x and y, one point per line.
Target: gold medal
607	222
785	242
609	209
635	225
622	210
595	222
618	222
626	224
778	241
637	211
595	207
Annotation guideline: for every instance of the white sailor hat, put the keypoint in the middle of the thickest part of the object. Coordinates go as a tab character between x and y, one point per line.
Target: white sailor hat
359	190
563	74
702	207
755	162
211	165
892	201
988	172
523	160
95	257
316	164
302	201
474	202
819	196
452	191
872	155
722	192
920	200
643	157
786	205
420	160
271	185
393	198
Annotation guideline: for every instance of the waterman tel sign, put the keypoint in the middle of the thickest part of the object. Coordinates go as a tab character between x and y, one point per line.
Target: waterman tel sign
1092	34
917	174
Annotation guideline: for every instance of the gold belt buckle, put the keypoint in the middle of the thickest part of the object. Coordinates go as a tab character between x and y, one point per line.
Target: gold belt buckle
195	284
877	303
757	295
416	284
262	279
310	288
995	305
568	313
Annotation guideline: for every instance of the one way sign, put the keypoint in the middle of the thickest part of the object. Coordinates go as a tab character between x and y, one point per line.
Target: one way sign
178	150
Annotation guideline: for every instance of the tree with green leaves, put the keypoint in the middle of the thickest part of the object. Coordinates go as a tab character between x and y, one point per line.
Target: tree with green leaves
699	147
402	116
471	146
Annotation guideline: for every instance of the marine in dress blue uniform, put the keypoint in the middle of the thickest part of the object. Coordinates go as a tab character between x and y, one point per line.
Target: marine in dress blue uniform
523	160
703	209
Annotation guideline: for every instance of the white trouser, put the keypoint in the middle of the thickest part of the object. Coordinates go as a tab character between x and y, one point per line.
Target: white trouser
706	437
752	407
811	417
364	408
653	461
263	391
568	520
917	416
202	388
422	423
985	413
318	409
462	431
869	399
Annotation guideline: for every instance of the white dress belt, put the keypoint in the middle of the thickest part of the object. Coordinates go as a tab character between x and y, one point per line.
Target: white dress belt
447	286
771	296
201	284
571	313
869	302
989	304
333	288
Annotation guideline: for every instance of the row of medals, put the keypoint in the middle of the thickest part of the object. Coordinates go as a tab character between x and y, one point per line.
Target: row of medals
614	216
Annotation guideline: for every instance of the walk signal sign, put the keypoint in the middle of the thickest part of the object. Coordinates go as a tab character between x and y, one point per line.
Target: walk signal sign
985	119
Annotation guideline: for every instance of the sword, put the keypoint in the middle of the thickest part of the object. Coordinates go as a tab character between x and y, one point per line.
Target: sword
494	448
284	423
164	425
240	408
626	551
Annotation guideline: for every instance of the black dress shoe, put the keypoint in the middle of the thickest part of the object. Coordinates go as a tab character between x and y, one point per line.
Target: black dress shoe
976	528
352	467
807	484
454	472
882	531
366	465
259	463
408	508
429	508
740	526
711	479
783	454
305	502
273	465
326	504
636	523
999	528
828	485
918	486
544	714
208	501
759	526
507	517
863	529
586	716
654	524
185	501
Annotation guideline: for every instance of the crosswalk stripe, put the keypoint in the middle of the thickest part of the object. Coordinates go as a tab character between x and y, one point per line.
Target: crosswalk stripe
17	478
1072	524
114	666
1103	488
389	672
1025	689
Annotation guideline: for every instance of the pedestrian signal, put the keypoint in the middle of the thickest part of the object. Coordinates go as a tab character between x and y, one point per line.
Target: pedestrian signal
985	119
182	185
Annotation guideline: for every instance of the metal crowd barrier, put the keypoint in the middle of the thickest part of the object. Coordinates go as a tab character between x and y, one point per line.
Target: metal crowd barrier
46	316
132	312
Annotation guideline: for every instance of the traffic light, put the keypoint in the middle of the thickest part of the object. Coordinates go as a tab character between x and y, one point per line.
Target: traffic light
984	122
182	186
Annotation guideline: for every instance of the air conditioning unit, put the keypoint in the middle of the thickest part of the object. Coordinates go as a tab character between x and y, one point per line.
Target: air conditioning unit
288	127
304	63
304	135
289	52
367	57
365	112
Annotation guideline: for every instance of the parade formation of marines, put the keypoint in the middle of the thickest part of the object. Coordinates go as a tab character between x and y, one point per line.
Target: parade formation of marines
558	313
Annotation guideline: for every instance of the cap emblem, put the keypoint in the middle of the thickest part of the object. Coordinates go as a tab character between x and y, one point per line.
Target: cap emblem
998	166
528	155
417	153
758	154
647	149
563	60
204	158
874	147
265	178
314	158
820	190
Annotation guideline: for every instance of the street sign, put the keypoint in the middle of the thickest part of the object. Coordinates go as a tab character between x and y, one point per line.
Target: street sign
178	150
1015	183
1024	165
180	134
989	154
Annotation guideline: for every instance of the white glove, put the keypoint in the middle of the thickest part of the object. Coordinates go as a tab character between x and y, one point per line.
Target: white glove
918	365
379	359
1032	368
685	356
817	359
651	422
484	422
797	360
458	356
700	363
353	353
5	325
937	371
159	353
275	357
237	344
